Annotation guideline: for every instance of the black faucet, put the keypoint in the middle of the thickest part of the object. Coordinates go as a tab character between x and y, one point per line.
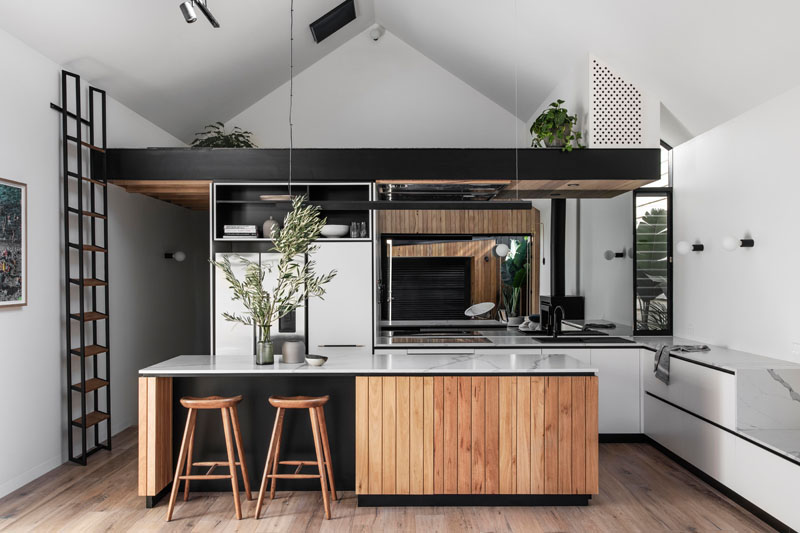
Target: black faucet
557	321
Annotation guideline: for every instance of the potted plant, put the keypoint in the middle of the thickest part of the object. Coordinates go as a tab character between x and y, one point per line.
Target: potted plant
514	276
214	136
555	127
296	282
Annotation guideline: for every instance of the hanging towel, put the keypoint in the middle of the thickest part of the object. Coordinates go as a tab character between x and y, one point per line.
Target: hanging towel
661	364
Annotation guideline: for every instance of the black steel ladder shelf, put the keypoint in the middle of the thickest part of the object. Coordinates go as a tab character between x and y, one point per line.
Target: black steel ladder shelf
85	265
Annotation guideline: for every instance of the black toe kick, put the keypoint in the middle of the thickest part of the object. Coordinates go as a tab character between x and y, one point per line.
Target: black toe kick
473	500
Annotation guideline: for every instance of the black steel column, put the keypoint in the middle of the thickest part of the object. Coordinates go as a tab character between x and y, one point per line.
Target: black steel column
558	223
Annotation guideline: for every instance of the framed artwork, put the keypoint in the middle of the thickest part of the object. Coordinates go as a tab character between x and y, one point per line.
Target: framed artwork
13	244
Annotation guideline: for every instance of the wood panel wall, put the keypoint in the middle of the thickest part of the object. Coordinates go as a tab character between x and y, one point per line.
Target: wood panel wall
155	434
476	435
471	222
485	275
458	221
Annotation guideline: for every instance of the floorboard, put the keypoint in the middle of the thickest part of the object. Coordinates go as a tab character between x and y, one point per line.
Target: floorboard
640	490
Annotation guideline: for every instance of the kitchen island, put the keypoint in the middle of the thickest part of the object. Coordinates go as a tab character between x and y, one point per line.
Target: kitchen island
496	428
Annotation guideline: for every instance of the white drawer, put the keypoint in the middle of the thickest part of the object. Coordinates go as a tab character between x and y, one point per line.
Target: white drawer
704	391
707	447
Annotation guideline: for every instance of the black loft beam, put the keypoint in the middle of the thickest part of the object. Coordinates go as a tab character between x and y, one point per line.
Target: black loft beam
371	164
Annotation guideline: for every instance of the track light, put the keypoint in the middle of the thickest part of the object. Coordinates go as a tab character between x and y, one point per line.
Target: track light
187	8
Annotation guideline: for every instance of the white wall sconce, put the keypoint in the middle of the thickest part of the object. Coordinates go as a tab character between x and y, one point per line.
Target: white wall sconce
501	250
684	247
730	243
178	256
610	254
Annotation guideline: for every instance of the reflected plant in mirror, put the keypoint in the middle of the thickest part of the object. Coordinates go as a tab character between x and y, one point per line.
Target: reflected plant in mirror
296	281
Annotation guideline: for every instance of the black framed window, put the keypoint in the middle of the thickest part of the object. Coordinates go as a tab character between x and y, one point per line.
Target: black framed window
652	268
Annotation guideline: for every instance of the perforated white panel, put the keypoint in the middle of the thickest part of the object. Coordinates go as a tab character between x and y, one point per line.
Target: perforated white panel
616	109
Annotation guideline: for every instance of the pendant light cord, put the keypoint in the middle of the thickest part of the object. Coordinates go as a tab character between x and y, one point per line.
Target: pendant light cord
291	89
516	113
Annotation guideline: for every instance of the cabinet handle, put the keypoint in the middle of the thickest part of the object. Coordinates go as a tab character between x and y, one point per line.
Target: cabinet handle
340	345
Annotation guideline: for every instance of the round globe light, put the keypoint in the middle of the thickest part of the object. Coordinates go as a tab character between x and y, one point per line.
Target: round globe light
501	250
179	256
683	247
730	244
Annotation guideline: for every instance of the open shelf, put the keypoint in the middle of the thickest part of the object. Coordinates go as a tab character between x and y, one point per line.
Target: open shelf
239	204
92	419
92	384
91	349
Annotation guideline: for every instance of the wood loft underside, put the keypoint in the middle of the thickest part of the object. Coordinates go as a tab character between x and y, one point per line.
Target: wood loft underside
194	194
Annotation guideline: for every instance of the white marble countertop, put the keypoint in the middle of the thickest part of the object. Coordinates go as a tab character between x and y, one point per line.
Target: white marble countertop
717	356
197	365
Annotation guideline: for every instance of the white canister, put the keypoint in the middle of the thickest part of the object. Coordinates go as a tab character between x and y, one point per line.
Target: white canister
294	352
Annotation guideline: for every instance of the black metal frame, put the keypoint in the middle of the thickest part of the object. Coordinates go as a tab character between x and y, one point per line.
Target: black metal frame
69	79
654	192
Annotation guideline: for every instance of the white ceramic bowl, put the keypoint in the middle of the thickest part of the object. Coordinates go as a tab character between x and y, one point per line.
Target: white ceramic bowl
335	230
316	360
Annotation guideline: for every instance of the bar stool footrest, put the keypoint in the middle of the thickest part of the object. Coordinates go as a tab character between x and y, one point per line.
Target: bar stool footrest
205	476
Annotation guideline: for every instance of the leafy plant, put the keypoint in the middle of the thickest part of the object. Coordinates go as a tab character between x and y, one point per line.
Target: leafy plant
214	136
651	265
556	127
514	275
296	282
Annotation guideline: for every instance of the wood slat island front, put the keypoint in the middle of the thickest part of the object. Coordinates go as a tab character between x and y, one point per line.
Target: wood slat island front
476	435
444	429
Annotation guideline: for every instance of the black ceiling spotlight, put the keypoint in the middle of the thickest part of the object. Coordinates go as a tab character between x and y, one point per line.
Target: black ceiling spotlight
187	9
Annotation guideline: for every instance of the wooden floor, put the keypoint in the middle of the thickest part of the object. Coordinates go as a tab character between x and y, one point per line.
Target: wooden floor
640	490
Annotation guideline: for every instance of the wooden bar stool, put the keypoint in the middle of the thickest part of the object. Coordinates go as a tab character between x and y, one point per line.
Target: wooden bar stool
323	463
230	417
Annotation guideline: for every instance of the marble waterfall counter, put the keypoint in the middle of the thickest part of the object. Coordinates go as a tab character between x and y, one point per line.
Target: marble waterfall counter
444	429
442	363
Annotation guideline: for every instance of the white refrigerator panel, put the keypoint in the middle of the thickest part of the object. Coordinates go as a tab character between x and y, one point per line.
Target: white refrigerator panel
231	338
342	321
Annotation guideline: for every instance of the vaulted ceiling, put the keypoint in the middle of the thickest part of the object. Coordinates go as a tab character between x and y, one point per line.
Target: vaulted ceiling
708	61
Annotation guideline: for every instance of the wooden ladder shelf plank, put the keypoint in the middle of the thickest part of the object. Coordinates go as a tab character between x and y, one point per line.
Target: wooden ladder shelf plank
88	282
90	350
89	316
92	384
92	419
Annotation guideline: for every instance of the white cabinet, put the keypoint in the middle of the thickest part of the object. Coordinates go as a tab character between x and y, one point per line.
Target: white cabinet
707	392
619	389
342	321
581	354
231	338
705	446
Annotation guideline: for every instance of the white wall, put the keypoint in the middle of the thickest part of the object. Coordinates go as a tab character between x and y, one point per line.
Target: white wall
369	94
607	224
737	179
32	338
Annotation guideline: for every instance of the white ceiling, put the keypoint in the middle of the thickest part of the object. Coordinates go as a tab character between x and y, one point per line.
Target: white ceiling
708	60
179	76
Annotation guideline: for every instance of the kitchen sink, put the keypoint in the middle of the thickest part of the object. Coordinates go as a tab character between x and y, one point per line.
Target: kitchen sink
584	339
569	333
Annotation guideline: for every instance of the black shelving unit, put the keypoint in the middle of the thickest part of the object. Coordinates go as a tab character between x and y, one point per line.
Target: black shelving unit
85	266
239	203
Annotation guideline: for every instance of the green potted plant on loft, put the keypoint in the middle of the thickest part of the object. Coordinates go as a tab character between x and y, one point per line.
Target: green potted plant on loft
556	128
296	281
215	136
